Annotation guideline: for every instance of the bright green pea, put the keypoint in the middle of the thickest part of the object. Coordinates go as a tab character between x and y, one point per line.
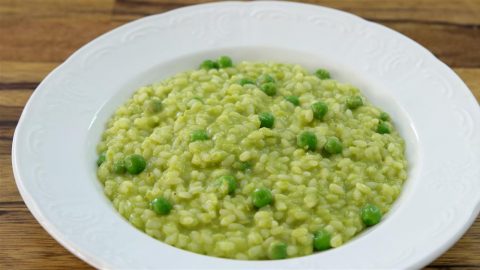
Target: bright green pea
370	215
199	135
230	181
354	102
321	240
307	140
269	88
244	81
224	61
209	64
333	145
277	251
384	116
383	127
101	158
161	206
323	74
262	197
266	120
119	167
293	99
265	78
135	164
319	109
243	166
153	106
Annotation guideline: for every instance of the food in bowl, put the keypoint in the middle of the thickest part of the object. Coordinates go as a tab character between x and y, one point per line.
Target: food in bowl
251	161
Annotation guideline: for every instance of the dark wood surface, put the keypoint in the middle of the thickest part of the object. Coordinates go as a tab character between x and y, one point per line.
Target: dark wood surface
37	35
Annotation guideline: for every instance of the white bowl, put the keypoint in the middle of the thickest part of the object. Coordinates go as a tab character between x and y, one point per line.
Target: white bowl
54	144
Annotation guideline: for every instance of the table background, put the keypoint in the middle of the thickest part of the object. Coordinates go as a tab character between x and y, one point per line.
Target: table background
37	35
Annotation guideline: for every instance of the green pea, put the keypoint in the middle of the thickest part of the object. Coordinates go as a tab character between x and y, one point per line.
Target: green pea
135	164
370	215
354	102
319	109
245	81
293	99
101	158
307	140
265	78
270	89
224	61
266	120
243	166
383	127
209	64
321	240
333	146
277	251
199	135
384	116
230	181
262	197
153	106
323	74
119	167
161	206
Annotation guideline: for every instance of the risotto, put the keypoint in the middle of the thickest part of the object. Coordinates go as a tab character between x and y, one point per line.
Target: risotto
251	161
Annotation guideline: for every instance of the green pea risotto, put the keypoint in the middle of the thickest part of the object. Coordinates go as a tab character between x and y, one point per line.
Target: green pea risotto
251	161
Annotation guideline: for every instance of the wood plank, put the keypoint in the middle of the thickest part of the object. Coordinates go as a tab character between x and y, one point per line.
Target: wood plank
55	8
48	39
14	97
13	207
9	115
8	190
12	103
24	72
49	31
6	133
127	10
25	245
6	136
5	144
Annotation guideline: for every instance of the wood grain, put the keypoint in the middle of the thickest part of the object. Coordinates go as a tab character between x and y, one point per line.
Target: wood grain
36	36
19	230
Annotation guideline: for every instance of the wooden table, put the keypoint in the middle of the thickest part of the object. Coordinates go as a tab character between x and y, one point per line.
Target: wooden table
36	36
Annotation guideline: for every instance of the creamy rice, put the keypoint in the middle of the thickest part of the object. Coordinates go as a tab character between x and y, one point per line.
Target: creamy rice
312	189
